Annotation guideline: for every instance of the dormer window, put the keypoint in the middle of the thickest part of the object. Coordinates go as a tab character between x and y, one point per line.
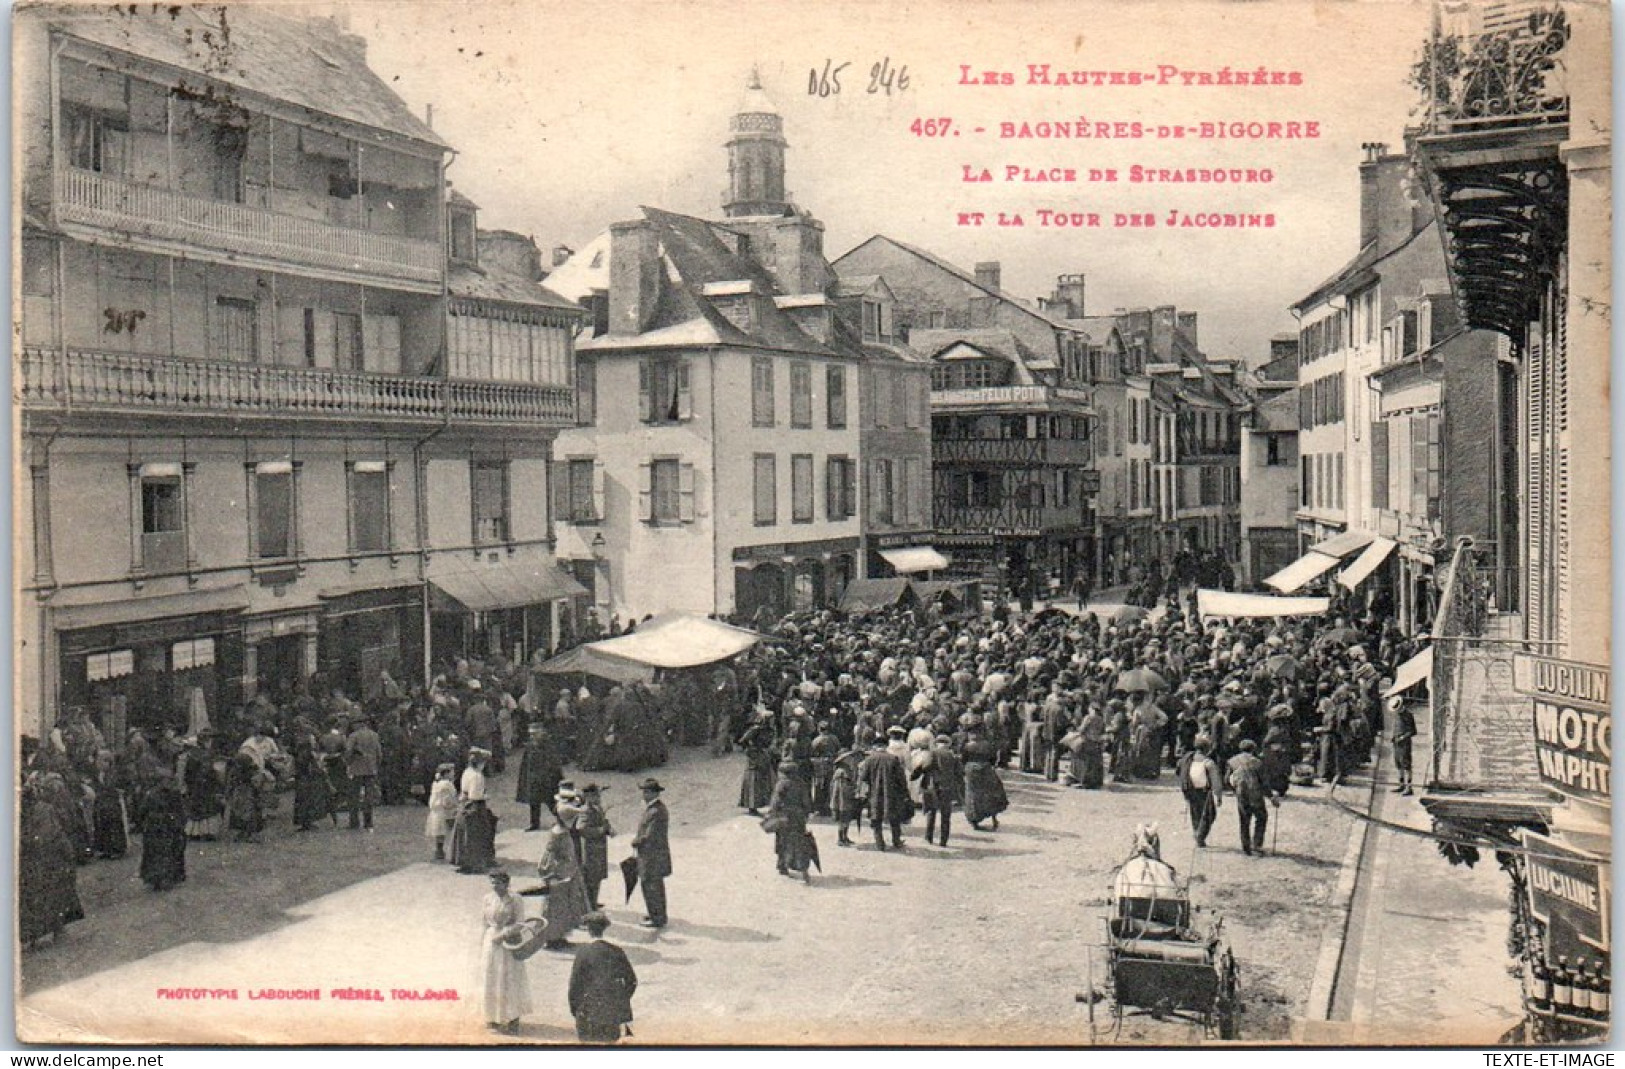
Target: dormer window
877	320
464	245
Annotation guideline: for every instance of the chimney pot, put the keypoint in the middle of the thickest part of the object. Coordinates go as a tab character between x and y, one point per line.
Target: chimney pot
987	274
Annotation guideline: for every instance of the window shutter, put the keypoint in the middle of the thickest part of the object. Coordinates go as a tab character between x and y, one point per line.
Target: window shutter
685	399
646	478
645	387
1379	464
685	492
911	490
598	490
558	475
832	489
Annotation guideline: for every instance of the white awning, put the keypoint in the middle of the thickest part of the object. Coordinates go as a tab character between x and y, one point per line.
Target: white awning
1228	603
1311	565
1411	673
912	559
1366	563
1342	545
678	640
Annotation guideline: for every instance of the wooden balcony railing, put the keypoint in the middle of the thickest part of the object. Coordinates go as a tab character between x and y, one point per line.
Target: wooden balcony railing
1011	452
165	384
104	201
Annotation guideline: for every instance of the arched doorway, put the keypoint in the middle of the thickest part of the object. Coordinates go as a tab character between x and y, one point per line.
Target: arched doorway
807	585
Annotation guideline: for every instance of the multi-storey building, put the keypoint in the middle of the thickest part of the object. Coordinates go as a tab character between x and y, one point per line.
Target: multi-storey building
731	387
1012	410
1514	148
1195	408
1404	440
250	453
1269	467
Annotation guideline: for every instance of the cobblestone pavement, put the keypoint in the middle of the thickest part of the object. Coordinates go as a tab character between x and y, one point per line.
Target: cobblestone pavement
985	941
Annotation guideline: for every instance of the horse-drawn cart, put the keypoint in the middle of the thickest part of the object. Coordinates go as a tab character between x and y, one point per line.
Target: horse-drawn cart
1164	958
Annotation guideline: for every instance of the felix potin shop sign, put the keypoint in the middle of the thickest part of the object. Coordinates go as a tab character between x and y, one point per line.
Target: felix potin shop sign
1573	727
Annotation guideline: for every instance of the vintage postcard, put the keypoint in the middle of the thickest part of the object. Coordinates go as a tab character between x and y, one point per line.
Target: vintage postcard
960	522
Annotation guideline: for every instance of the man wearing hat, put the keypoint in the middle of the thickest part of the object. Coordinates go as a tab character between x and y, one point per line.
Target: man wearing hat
363	756
540	773
1203	789
1246	779
602	982
592	839
1404	721
654	852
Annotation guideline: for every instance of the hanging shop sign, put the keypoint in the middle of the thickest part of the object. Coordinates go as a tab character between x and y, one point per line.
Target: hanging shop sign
1568	892
1573	736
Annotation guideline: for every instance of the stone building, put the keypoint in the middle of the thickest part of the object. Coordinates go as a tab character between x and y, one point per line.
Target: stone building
269	419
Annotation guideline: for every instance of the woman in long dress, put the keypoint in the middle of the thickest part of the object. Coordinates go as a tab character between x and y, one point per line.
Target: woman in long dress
566	896
473	838
787	818
985	798
47	891
163	837
756	788
507	987
111	836
205	794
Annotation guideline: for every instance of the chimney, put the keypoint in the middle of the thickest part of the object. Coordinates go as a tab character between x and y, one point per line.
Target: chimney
562	254
634	276
1069	295
1187	326
1163	321
1370	190
987	274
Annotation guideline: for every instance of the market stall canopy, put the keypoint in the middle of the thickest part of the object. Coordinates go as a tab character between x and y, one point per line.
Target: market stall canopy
1229	603
678	640
590	662
1411	673
867	595
1310	566
910	559
1342	545
503	586
1366	563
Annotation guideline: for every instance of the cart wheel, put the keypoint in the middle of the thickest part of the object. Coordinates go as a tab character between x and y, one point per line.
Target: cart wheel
1227	1006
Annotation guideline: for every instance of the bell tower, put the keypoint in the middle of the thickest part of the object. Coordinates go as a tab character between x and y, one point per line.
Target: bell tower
756	157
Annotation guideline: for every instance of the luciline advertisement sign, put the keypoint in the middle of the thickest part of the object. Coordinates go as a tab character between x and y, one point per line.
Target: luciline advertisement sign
1573	738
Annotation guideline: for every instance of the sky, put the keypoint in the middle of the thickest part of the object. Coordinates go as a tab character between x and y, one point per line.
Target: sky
569	115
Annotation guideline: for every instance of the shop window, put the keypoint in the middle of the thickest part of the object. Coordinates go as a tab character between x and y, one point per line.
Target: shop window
369	506
191	653
488	486
114	664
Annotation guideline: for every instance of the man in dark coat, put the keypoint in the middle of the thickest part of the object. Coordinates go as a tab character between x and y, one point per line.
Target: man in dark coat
363	757
602	982
942	786
654	852
540	774
888	800
1246	779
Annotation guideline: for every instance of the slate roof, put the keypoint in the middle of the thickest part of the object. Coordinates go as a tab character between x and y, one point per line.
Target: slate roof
489	282
309	63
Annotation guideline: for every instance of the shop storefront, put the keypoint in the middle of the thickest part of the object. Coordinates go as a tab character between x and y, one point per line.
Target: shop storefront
772	580
365	634
511	610
152	663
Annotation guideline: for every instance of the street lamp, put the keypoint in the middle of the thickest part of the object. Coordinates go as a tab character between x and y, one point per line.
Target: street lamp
598	545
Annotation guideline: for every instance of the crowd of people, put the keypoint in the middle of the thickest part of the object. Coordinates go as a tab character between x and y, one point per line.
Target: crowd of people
859	720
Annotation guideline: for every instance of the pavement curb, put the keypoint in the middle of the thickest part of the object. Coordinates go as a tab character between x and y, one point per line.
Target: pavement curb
1323	988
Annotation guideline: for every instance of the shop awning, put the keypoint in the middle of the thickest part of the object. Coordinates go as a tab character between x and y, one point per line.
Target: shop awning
590	662
912	559
1229	603
135	610
678	640
1342	545
503	586
1366	563
866	595
1311	565
1411	673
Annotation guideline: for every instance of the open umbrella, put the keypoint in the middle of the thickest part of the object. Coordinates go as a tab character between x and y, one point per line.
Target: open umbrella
1342	636
1130	614
1281	666
1138	679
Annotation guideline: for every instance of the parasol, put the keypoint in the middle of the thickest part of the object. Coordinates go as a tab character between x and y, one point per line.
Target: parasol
629	873
1342	636
1140	679
1281	666
1130	614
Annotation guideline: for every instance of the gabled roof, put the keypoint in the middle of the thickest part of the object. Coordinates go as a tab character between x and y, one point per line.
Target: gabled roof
1276	413
1354	271
310	63
1097	329
1282	370
1000	343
